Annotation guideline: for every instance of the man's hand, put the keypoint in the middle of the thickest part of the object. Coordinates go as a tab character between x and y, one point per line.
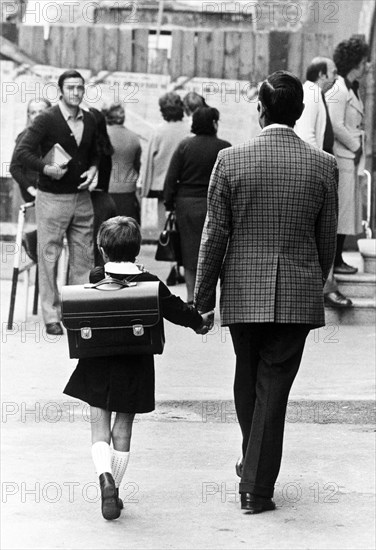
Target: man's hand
55	171
32	191
89	177
207	322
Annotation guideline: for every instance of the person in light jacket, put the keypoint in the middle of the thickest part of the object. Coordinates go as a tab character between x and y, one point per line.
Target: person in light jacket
347	112
315	127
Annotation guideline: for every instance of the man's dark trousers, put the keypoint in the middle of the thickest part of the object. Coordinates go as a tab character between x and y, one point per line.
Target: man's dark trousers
268	357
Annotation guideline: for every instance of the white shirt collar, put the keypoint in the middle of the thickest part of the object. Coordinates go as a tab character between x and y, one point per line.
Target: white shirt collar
122	268
275	125
67	115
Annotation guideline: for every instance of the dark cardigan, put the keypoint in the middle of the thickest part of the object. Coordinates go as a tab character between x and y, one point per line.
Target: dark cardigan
50	128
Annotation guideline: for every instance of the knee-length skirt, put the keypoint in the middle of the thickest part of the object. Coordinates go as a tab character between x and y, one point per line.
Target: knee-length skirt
190	218
118	383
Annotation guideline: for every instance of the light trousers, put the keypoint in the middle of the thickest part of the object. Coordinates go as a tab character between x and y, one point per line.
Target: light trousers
59	215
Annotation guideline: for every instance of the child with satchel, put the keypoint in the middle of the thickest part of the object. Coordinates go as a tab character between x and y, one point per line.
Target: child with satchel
123	383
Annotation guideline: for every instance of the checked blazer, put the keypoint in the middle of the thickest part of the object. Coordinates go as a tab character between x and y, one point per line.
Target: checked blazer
270	231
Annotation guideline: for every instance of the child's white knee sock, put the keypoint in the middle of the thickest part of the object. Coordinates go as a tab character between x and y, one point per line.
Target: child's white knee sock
101	453
119	465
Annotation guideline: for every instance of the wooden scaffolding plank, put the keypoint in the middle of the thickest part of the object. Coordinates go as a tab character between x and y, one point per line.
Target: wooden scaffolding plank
232	55
39	44
247	52
68	47
188	53
125	54
176	49
261	55
25	39
111	46
310	50
141	46
295	54
53	48
218	54
204	54
96	49
83	47
278	48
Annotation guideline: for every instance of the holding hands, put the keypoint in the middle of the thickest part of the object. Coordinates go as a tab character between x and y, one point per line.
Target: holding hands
207	322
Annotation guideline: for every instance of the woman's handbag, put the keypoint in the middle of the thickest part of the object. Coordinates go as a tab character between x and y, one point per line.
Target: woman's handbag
169	249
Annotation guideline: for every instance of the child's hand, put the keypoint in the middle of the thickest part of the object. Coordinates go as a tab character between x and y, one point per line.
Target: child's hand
207	322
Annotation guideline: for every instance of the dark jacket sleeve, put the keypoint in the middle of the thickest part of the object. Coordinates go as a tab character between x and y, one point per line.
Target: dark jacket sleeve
96	274
173	176
28	148
23	176
178	312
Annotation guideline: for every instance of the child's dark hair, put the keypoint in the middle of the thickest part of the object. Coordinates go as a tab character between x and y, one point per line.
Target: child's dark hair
120	238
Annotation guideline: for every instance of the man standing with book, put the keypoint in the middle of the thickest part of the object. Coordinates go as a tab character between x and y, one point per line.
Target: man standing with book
63	204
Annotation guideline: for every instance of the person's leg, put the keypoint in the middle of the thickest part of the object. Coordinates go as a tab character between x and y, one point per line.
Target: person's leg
245	337
121	439
190	280
338	260
281	351
53	213
332	295
80	240
100	422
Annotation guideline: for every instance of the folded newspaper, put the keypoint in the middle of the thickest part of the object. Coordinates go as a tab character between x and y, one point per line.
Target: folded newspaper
57	155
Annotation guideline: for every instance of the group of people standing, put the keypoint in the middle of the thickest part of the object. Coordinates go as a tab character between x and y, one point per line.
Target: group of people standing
100	141
268	213
333	121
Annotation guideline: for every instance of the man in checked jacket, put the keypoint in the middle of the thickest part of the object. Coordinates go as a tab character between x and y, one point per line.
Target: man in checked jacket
270	235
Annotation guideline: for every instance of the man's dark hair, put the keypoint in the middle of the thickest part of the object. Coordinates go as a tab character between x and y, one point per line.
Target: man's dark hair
202	121
281	95
348	54
69	74
171	107
120	238
314	70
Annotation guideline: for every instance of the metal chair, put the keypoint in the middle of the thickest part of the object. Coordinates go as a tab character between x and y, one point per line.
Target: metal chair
29	244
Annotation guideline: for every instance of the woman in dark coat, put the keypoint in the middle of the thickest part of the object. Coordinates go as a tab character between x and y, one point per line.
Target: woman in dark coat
186	186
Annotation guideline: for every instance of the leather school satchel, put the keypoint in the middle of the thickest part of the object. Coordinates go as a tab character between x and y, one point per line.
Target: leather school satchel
113	317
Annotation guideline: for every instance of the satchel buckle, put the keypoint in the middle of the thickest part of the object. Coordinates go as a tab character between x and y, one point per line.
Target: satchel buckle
138	330
86	333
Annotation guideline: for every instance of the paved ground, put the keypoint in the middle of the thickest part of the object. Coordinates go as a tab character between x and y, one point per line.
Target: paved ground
180	489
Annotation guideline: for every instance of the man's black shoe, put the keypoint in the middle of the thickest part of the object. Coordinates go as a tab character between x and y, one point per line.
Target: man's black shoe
336	299
254	504
110	500
345	269
54	328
